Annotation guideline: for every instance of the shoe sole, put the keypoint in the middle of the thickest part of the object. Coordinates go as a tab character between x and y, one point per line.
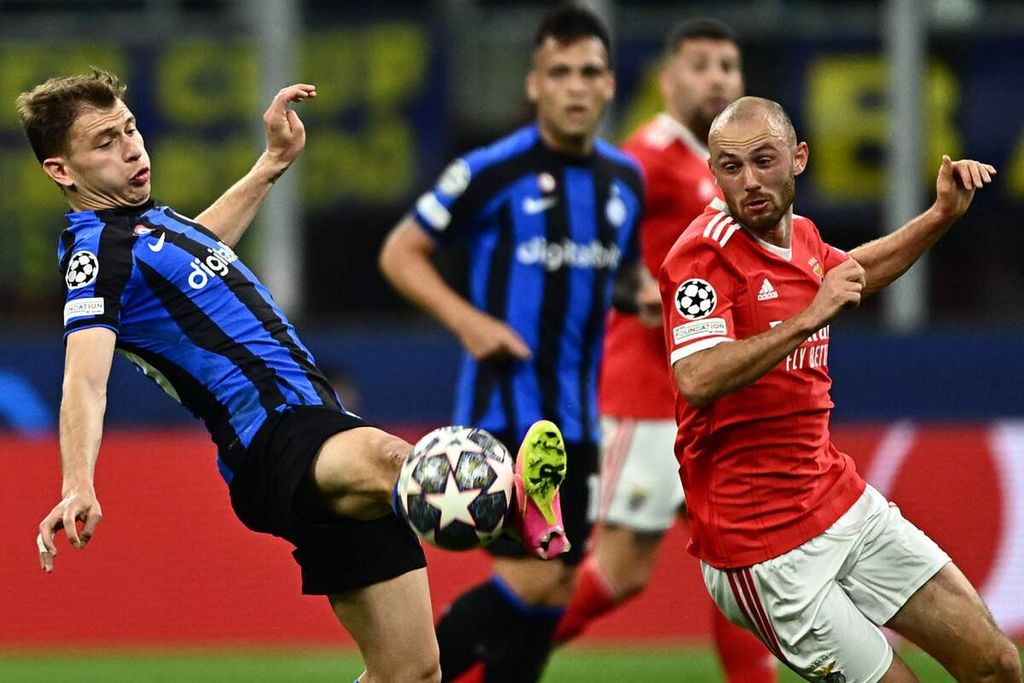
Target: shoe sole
543	462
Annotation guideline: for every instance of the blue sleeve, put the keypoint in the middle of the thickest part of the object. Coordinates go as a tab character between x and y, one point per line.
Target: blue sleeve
96	271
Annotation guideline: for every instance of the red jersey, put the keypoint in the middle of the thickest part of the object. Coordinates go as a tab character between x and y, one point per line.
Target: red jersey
760	471
635	381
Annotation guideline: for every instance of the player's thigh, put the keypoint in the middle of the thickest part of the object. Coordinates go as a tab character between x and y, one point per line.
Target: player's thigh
355	471
392	624
640	487
890	560
803	617
948	619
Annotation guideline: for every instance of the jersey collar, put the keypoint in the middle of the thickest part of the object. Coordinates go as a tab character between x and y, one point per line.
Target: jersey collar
786	253
676	129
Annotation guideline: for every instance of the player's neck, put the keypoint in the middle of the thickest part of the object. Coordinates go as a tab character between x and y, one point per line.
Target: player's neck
80	201
572	145
779	235
698	129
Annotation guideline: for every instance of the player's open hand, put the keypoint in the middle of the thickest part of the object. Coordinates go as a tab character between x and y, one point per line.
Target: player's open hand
957	182
79	505
286	136
487	338
841	288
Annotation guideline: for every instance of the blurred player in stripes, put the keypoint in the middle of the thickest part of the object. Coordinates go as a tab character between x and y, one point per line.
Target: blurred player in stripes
794	545
640	490
170	294
548	215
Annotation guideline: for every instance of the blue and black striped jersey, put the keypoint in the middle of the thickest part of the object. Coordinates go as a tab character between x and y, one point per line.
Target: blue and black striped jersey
191	317
546	234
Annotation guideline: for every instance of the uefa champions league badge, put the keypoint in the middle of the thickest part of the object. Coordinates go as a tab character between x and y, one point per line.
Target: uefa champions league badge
83	267
546	182
455	178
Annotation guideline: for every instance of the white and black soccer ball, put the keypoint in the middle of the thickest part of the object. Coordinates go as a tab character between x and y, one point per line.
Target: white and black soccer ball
696	298
455	488
83	267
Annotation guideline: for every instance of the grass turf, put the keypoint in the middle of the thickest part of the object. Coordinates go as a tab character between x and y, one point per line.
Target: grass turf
574	665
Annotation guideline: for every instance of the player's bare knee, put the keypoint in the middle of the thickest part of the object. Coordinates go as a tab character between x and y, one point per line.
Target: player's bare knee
1005	662
420	672
634	581
998	662
389	453
421	667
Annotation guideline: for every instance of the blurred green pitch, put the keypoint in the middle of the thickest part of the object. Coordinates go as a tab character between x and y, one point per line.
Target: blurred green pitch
574	665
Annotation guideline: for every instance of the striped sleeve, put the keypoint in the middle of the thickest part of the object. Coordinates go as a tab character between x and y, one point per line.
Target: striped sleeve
451	208
96	270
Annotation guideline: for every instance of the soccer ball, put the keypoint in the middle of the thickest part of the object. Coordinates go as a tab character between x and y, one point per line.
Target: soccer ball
456	487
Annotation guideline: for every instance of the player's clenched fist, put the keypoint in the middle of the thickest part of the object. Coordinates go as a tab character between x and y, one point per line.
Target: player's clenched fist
841	288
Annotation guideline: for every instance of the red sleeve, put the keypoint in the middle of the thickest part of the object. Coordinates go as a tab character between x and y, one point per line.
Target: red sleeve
698	293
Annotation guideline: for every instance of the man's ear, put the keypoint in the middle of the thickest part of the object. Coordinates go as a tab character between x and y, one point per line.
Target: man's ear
532	87
800	158
57	169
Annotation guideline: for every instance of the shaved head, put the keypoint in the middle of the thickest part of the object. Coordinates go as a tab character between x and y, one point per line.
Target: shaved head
755	156
751	109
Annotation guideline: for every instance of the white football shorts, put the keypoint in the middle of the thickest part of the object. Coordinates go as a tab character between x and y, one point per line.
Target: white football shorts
819	607
640	487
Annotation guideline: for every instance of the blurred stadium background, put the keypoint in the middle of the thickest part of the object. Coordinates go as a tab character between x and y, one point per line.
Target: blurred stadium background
930	378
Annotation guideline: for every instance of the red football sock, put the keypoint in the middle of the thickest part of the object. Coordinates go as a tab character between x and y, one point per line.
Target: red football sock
474	674
744	658
594	596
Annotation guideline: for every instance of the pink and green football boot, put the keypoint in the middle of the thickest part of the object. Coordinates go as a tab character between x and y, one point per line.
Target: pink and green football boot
540	470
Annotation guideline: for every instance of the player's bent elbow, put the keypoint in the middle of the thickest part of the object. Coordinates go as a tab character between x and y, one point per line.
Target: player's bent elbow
386	258
694	391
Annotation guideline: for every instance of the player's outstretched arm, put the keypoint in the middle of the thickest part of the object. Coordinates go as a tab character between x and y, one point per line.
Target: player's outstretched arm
887	258
86	371
229	217
706	376
405	260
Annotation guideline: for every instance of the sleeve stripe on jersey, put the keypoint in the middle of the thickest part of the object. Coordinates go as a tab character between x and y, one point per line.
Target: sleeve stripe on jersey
693	348
713	223
728	234
723	222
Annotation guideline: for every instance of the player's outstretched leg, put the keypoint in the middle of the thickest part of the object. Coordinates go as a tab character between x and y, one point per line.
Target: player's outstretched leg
540	470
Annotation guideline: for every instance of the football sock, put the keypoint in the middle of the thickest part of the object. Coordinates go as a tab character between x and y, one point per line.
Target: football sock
490	634
744	658
594	595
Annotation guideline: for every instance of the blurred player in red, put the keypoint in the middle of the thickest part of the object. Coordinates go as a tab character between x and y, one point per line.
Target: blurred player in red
640	490
794	545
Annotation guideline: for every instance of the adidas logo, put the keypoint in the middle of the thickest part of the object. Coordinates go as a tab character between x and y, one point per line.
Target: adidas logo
767	291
